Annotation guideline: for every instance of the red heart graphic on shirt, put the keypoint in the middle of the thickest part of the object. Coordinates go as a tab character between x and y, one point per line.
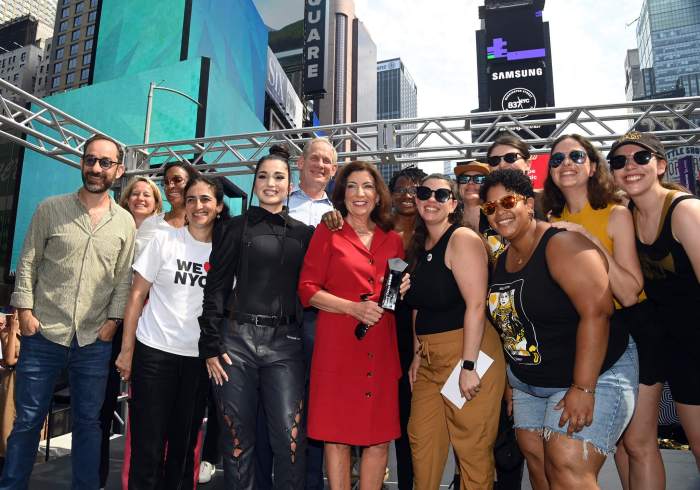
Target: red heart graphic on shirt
207	266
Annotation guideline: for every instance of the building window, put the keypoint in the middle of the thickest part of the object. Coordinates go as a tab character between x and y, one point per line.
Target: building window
92	16
15	77
65	13
66	2
74	49
55	82
76	21
63	26
23	57
79	7
41	69
70	78
93	4
75	35
60	39
57	67
88	45
87	58
59	54
84	73
72	62
90	31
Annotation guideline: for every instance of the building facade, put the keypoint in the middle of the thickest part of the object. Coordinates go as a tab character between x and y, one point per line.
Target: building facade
397	98
73	46
23	53
44	10
668	33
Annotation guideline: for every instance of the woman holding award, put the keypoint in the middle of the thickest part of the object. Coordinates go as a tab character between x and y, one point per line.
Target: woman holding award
354	381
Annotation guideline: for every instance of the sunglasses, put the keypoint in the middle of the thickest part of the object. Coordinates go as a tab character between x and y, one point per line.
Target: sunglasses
506	202
105	162
576	156
411	191
441	195
494	160
641	157
465	179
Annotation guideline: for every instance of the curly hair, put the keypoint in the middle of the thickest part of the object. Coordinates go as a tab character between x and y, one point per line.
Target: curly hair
600	186
512	179
381	214
412	173
420	233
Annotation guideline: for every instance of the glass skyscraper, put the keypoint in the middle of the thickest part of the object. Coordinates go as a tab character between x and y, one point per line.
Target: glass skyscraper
668	33
397	98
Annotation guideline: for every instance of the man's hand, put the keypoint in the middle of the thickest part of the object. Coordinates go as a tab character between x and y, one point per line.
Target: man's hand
28	323
333	220
107	331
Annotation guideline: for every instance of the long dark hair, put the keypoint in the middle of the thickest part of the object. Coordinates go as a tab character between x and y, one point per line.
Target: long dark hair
276	152
510	140
215	184
381	214
420	233
600	186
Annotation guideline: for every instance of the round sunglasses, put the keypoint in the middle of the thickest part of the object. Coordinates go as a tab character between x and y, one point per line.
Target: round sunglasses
576	156
641	157
506	202
494	160
441	195
465	179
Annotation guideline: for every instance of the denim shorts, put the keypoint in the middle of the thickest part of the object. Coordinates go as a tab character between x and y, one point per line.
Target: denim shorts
615	398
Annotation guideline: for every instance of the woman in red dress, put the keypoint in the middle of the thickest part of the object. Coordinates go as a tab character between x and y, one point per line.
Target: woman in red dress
353	397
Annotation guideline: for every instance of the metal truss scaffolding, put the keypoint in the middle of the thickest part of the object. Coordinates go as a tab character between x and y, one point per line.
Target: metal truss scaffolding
60	136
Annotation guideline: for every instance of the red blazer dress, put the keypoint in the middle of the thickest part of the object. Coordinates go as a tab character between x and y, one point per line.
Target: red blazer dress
354	383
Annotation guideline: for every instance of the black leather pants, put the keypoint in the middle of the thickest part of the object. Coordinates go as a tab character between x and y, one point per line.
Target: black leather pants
268	368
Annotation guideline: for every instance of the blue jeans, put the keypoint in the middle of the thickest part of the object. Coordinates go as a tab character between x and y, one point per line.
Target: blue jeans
40	364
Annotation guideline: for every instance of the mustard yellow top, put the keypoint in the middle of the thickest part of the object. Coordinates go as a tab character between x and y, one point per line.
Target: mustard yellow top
596	222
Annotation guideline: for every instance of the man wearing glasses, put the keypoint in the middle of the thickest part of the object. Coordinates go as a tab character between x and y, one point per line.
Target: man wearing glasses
71	289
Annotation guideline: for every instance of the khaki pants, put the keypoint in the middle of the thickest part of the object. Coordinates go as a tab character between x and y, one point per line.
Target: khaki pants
435	422
7	407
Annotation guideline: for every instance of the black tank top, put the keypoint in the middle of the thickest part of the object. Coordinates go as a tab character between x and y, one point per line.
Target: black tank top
434	291
538	322
669	279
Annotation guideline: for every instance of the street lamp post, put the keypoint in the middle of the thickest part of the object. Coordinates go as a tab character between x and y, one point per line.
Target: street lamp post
149	105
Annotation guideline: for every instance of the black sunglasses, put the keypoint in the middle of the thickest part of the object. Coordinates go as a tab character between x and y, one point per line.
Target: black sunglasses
576	156
105	162
441	195
642	157
506	202
508	158
465	179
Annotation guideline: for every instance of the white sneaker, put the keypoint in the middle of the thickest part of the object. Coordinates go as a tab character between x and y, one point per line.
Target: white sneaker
206	471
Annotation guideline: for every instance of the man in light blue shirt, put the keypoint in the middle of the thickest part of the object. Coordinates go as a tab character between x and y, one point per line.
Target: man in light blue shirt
317	166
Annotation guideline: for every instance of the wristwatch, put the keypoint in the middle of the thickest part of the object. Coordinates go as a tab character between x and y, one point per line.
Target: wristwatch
468	365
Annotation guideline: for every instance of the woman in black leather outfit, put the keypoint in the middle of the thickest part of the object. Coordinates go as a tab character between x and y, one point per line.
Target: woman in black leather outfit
250	334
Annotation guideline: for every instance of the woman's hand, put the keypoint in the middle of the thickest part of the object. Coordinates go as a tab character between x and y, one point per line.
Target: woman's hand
469	383
413	370
577	408
216	370
508	398
333	220
367	312
123	363
405	285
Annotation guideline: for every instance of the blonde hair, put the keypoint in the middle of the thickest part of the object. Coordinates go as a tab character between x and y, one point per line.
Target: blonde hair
124	199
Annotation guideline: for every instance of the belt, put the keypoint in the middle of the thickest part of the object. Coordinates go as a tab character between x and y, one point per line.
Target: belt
264	320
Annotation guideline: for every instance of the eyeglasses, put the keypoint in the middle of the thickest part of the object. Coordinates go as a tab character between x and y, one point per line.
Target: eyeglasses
494	160
410	190
105	163
576	156
506	202
465	179
641	157
441	195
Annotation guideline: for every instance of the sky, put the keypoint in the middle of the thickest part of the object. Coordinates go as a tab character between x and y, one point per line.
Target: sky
436	41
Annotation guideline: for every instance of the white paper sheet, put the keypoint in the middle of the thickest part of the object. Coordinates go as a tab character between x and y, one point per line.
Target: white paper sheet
451	388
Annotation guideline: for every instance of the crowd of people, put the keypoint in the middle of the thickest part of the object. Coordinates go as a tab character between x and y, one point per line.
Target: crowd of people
555	315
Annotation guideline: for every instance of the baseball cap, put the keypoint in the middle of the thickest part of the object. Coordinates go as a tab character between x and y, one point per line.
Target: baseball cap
645	140
472	166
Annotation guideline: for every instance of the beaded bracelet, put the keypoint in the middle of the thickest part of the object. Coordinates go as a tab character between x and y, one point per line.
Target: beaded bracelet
585	390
